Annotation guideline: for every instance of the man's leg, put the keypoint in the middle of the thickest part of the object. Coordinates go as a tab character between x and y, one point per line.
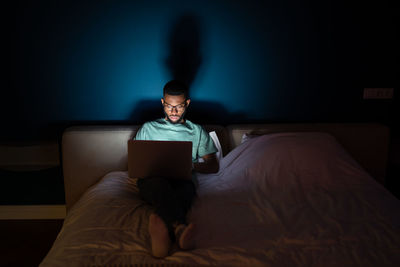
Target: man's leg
172	199
159	193
185	191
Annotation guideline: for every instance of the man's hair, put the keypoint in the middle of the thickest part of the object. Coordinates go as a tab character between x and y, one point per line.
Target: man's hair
176	87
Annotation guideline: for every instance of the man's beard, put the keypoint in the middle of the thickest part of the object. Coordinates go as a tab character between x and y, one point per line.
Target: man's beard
178	121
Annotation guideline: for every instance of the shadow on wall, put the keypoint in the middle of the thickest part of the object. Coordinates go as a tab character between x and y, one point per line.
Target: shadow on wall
183	62
184	46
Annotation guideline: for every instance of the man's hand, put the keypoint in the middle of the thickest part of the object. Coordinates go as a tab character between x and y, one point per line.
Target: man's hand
210	164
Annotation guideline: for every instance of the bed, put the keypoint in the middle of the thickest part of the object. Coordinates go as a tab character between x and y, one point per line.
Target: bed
285	195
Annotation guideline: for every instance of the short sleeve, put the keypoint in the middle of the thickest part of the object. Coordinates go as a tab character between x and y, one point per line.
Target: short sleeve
206	144
141	133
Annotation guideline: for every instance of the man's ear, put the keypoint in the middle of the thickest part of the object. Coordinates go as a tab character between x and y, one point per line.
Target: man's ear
187	102
162	101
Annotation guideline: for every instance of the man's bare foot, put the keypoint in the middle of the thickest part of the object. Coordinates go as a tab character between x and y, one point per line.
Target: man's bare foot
185	236
160	241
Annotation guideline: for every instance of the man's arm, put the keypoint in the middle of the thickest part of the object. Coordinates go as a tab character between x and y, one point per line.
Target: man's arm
210	164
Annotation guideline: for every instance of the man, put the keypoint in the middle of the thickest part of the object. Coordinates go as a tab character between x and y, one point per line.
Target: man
171	198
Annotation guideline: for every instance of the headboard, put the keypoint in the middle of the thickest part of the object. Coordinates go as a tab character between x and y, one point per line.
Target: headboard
90	152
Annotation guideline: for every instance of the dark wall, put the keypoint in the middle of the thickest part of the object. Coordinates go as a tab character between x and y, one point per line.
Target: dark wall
246	61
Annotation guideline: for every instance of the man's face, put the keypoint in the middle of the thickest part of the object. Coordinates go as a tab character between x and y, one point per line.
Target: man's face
175	107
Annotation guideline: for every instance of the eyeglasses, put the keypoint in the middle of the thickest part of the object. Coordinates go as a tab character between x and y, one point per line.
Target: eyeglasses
179	107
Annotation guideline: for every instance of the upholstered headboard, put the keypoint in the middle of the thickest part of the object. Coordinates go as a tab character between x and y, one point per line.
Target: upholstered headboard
90	152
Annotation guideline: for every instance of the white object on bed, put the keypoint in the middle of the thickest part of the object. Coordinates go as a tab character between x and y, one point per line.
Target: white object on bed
217	144
281	200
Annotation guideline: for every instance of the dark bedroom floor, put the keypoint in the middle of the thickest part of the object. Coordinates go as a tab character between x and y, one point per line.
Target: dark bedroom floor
26	242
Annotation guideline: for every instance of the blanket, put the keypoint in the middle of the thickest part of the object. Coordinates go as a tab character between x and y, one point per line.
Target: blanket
287	199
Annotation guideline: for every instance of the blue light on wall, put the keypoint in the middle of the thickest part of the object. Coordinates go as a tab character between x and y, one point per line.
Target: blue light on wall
245	61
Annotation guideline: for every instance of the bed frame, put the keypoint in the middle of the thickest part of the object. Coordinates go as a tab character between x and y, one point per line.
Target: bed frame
90	152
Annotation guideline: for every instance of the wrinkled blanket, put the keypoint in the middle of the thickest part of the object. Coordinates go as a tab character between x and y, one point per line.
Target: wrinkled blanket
284	199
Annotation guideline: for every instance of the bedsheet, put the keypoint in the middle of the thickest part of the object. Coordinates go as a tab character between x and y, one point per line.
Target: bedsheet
278	200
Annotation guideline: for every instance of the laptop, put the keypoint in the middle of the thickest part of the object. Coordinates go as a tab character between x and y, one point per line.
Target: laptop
169	159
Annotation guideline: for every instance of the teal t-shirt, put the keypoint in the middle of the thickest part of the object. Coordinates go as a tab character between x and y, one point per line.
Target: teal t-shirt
164	130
